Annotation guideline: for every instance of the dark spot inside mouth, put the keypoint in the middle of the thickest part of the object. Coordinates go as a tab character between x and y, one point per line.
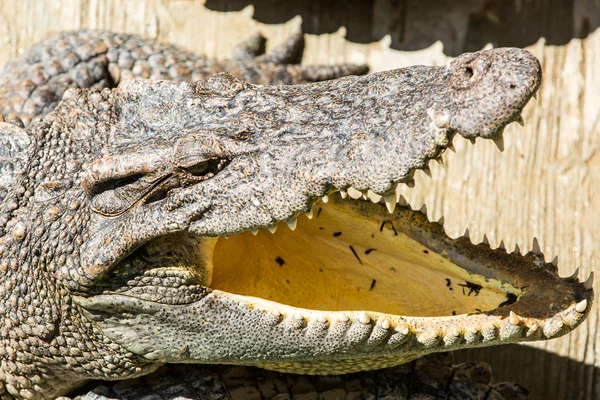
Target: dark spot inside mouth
336	234
453	312
372	284
280	261
319	212
473	288
426	251
356	255
448	282
368	251
511	298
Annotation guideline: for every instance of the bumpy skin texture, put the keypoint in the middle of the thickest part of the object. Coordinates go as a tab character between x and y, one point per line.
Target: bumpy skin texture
35	83
431	377
112	180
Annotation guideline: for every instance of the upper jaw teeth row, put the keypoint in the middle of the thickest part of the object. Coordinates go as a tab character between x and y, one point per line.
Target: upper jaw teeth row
464	329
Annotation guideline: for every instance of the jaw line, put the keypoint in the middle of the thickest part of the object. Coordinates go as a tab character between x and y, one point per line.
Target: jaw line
231	328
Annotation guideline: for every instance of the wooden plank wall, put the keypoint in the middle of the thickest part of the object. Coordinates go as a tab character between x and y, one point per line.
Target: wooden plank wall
544	185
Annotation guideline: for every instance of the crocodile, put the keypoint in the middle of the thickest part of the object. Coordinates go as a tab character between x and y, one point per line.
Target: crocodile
223	220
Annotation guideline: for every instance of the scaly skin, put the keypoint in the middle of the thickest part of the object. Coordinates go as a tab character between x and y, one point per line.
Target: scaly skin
115	202
431	377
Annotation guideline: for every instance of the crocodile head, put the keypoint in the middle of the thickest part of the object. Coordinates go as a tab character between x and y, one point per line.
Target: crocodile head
161	230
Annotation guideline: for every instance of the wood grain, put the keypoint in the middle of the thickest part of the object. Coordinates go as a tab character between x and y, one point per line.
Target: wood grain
544	185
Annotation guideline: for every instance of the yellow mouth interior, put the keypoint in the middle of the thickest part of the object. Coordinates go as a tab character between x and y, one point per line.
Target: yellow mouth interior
348	259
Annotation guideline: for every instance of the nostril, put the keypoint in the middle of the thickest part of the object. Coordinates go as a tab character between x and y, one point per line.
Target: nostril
513	86
469	72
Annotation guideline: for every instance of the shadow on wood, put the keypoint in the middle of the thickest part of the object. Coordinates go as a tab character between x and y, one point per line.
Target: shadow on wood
464	25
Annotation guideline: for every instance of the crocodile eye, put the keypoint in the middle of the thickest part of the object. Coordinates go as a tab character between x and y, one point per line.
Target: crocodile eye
205	169
199	169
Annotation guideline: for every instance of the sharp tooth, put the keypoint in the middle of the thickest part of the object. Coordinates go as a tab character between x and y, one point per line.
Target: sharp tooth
467	234
325	199
499	141
451	147
472	139
255	232
520	120
385	324
485	240
441	221
343	193
517	249
410	183
375	198
390	202
423	209
353	193
309	214
535	96
343	318
514	319
555	261
365	197
363	318
589	282
273	228
581	306
440	160
502	247
292	224
536	247
427	171
575	274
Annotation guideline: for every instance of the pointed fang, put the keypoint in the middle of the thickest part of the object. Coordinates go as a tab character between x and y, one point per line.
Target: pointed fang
517	249
502	246
440	160
273	228
255	232
292	224
575	274
536	247
581	306
423	210
427	171
441	221
485	240
514	319
589	282
450	146
343	193
309	214
499	141
520	120
467	234
390	202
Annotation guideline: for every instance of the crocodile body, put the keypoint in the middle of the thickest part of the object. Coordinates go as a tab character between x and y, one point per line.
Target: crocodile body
117	205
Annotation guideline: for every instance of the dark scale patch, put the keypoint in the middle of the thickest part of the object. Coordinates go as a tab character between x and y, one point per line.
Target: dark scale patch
394	229
368	251
473	287
336	234
426	251
356	255
453	312
286	281
511	298
280	261
321	228
448	282
372	284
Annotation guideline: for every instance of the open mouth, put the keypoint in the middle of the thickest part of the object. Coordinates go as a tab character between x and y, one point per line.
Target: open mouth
351	262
